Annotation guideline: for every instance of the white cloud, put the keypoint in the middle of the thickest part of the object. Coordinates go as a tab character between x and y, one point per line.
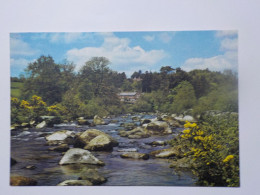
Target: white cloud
118	51
19	47
226	33
229	44
66	37
216	63
18	65
165	37
149	38
228	60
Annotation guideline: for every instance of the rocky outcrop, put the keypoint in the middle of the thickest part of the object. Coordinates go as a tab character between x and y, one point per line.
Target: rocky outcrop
22	181
136	133
60	137
93	176
135	155
98	120
158	128
94	139
75	183
79	156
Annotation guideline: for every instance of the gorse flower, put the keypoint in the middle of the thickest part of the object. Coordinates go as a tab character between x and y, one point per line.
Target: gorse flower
189	125
228	158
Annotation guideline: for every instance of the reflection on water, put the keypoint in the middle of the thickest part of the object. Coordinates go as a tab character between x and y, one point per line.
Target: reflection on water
29	148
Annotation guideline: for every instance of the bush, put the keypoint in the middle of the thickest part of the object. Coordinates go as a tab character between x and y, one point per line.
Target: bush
213	149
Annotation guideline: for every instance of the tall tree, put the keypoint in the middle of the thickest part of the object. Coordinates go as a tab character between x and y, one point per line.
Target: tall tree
43	80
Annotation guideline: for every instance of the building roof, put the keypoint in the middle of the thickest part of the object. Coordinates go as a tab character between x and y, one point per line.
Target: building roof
127	93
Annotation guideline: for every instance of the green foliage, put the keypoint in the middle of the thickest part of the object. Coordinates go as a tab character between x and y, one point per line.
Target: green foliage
183	97
16	89
212	146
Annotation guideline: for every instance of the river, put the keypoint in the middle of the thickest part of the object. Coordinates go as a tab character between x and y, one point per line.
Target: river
29	148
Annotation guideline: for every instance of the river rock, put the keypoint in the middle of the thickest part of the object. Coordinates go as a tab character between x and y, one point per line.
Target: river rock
79	156
104	142
167	153
30	167
100	143
98	120
145	121
135	155
136	133
22	181
13	161
60	137
135	118
128	150
51	120
83	122
60	148
128	126
75	183
158	128
93	176
41	125
182	163
25	125
158	143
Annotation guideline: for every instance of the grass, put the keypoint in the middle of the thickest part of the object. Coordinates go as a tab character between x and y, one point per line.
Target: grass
16	89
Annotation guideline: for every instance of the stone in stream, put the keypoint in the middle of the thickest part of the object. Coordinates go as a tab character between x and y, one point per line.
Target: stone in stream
22	181
101	143
60	137
127	150
79	156
158	143
83	122
135	155
136	133
60	148
93	139
75	183
30	167
128	126
98	120
93	176
167	153
41	125
13	161
158	128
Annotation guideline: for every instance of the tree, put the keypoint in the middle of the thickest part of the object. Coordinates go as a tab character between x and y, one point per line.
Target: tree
183	98
43	80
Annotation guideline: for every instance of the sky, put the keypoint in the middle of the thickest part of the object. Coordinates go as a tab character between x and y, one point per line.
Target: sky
129	51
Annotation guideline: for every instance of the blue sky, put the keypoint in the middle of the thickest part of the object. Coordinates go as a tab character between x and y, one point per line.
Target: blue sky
130	51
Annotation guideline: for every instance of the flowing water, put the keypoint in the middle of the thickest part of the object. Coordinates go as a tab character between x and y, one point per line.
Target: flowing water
29	148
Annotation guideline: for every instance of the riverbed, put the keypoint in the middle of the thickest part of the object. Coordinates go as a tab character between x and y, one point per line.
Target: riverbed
29	148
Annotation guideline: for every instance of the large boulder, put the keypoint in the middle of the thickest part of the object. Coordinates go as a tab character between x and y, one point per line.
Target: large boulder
98	120
79	156
22	181
135	155
93	176
101	142
171	121
158	128
75	183
60	137
93	139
